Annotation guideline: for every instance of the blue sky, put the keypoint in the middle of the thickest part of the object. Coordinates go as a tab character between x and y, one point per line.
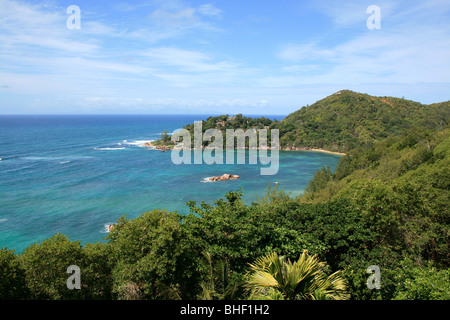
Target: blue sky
215	57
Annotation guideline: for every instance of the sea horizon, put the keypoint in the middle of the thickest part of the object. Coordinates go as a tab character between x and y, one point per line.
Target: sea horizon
141	114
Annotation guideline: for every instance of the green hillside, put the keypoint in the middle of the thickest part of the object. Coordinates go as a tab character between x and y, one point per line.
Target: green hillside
347	119
401	188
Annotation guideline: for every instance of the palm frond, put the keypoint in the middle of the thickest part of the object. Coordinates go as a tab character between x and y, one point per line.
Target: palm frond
302	279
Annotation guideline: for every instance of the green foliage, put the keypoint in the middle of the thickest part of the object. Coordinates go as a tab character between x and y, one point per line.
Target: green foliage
355	271
96	273
401	278
319	180
152	256
423	283
229	230
400	188
46	264
272	196
12	277
219	284
165	137
238	234
223	123
348	119
304	279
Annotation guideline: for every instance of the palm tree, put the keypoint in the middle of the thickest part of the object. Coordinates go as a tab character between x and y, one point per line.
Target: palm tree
219	286
275	277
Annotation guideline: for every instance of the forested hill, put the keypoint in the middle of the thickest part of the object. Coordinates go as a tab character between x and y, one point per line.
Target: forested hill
346	119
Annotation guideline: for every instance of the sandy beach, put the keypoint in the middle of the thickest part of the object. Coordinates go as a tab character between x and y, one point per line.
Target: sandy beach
327	151
311	149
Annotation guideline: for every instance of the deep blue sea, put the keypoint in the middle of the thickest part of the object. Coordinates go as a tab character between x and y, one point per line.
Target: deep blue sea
75	174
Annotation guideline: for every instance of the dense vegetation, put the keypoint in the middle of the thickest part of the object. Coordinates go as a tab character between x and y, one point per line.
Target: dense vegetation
347	119
386	204
402	187
232	122
222	124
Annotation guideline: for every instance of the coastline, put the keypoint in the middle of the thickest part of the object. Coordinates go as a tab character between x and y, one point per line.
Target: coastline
149	144
163	147
324	151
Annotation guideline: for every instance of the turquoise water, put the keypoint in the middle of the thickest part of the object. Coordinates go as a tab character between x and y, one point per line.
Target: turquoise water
76	174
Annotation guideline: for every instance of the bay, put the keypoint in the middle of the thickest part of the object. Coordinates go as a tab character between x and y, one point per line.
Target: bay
75	174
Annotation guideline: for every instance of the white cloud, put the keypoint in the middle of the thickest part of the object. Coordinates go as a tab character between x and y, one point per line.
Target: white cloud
124	7
196	105
176	15
36	26
350	13
304	52
173	19
99	28
186	60
210	10
170	18
40	54
410	48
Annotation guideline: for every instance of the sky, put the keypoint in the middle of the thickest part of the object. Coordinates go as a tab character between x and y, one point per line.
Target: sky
217	57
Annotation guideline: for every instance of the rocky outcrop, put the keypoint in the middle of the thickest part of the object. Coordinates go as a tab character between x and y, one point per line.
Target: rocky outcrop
149	144
223	177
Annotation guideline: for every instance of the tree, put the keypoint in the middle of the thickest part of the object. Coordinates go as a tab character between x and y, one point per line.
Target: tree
12	277
153	257
165	137
273	276
96	275
219	284
45	264
229	230
423	283
320	179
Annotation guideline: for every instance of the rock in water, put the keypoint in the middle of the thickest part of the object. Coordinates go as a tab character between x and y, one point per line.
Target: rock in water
224	177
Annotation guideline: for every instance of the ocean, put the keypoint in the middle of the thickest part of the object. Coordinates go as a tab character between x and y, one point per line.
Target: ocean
76	174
